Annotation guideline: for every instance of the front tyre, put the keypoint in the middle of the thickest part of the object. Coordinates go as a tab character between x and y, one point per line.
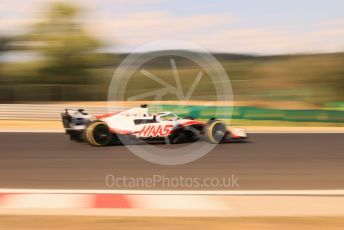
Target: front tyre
98	134
216	131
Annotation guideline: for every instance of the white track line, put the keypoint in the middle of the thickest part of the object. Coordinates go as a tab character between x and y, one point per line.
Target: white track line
332	192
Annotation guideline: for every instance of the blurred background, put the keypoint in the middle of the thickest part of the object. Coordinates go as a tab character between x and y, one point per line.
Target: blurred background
285	59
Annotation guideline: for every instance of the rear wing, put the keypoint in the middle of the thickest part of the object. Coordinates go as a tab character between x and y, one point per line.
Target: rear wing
75	118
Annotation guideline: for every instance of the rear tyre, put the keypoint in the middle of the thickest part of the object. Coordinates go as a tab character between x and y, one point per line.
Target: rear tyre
216	131
98	134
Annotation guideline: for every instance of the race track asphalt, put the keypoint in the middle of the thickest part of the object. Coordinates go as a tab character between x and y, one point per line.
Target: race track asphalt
269	161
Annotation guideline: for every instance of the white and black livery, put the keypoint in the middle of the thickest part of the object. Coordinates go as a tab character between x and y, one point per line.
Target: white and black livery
136	125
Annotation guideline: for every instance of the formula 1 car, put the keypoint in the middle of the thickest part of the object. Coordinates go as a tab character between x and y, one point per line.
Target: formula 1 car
136	125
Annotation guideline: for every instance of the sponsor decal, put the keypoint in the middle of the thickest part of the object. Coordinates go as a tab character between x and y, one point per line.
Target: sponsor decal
155	130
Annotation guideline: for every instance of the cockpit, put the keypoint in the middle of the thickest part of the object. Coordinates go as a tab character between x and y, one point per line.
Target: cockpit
168	116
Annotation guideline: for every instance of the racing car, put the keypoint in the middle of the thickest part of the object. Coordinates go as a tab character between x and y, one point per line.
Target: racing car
136	125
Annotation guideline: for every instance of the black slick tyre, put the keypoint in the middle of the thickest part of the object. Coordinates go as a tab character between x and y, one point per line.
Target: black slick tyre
215	131
98	134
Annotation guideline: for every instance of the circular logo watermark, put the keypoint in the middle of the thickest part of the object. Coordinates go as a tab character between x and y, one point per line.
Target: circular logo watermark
136	64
